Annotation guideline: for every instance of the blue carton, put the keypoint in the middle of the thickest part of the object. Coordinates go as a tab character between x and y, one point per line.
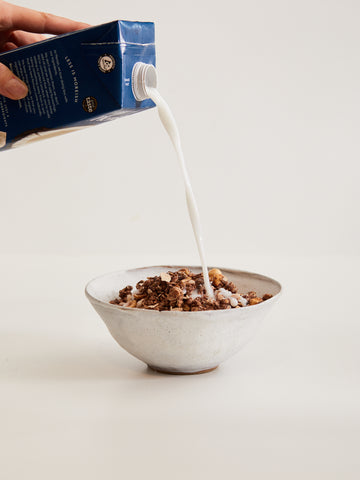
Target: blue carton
75	80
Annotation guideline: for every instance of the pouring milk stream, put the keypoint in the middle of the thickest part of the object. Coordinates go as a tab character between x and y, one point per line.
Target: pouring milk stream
144	82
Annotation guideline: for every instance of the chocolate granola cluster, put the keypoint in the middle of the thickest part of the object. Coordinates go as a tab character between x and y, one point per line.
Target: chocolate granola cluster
185	291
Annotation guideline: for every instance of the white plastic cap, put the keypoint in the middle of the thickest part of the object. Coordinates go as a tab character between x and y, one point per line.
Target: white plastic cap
143	75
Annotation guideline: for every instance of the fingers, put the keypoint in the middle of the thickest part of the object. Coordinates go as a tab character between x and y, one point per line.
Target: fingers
8	46
20	38
21	18
10	85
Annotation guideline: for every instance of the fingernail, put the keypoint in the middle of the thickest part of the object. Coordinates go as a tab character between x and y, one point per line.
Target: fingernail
16	88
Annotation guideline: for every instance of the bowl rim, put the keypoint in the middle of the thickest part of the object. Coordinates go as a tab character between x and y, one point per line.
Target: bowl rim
111	306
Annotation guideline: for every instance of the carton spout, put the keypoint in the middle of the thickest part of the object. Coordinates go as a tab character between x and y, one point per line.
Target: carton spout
143	76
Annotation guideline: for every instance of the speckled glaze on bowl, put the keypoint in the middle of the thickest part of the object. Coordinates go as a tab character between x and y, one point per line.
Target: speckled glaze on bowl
180	342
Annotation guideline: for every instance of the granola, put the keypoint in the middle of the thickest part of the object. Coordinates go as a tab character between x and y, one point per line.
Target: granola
184	291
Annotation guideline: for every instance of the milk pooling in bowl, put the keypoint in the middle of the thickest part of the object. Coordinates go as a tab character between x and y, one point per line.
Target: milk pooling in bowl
144	83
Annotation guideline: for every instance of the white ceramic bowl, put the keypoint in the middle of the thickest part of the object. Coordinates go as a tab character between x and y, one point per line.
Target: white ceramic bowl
180	342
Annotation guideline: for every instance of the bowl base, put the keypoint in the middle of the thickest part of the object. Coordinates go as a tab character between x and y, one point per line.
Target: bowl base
170	372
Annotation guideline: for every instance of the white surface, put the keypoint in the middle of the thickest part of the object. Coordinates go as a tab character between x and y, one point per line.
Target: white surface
75	405
275	126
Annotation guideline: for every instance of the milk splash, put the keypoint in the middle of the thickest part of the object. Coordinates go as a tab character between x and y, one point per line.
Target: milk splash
169	123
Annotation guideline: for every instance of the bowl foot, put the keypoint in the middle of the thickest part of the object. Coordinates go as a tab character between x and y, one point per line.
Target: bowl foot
170	372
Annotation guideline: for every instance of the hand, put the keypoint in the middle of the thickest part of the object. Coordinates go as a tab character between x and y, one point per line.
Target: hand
21	26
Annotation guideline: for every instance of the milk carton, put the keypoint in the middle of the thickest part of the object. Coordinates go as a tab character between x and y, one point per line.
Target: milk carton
75	80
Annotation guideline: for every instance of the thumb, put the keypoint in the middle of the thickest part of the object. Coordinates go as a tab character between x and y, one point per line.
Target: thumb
10	85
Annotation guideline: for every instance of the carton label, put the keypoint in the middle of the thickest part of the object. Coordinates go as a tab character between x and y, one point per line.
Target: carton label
75	80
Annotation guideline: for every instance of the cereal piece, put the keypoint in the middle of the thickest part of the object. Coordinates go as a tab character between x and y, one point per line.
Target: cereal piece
215	276
233	302
153	307
231	286
132	304
190	288
225	303
125	292
175	296
255	300
243	302
140	303
165	277
185	272
138	296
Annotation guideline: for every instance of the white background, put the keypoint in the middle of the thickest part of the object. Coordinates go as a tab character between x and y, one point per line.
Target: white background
266	94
